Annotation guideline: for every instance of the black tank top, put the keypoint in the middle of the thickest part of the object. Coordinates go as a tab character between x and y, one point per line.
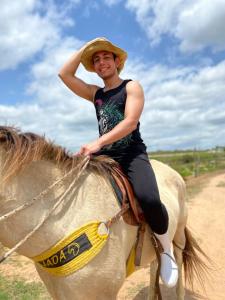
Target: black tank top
110	107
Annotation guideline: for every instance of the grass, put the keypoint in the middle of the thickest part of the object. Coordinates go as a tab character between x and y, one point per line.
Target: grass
192	163
193	190
221	184
194	185
16	289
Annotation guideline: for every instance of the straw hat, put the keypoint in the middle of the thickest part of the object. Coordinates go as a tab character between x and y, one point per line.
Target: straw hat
101	44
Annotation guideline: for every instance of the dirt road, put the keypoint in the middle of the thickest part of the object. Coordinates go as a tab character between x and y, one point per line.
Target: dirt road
206	221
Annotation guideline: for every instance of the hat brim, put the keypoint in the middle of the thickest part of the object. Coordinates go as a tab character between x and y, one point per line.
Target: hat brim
101	45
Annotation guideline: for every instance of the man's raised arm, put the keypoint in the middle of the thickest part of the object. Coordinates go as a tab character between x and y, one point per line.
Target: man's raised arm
78	86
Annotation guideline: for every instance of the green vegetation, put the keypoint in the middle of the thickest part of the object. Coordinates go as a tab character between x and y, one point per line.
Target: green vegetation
193	162
19	290
221	184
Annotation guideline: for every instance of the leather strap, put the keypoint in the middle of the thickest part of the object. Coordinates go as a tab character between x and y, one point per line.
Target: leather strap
139	244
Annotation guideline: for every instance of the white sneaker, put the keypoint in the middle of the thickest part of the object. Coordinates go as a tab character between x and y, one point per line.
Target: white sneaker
169	269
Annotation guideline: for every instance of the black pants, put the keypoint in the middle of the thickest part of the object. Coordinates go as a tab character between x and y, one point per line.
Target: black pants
141	175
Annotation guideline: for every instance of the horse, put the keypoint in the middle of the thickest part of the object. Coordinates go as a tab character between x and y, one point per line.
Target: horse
46	193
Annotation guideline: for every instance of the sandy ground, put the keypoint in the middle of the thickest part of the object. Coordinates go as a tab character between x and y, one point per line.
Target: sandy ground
207	223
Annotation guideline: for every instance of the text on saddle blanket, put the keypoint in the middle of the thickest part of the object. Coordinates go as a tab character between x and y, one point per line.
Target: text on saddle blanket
75	251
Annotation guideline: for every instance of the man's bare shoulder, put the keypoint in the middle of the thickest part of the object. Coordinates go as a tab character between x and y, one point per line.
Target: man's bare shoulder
134	86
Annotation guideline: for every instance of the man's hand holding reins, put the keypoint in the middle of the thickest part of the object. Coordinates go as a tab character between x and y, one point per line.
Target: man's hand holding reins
90	148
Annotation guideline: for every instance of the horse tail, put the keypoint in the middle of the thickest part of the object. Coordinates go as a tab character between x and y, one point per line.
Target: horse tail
193	263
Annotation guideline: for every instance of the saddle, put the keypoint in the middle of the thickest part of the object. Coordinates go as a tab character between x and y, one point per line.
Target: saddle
124	191
133	216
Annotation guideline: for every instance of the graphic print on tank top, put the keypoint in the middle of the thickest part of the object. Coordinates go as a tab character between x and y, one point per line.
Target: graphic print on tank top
108	117
110	111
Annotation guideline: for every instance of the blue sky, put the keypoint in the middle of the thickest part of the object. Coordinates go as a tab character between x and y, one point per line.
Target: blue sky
176	50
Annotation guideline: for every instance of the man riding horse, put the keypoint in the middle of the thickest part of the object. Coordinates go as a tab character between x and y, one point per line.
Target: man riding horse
118	106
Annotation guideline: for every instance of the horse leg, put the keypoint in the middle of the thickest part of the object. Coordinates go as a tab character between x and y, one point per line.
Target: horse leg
180	286
179	244
153	272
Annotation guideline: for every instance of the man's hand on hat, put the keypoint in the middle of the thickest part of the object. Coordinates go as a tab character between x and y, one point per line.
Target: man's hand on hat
92	41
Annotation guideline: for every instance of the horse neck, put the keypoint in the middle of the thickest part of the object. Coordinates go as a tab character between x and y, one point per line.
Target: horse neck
91	199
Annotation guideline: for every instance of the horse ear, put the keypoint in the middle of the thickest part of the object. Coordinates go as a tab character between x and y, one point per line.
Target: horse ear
3	135
2	138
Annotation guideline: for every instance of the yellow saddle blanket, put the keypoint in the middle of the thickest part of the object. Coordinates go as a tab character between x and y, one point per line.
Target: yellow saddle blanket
78	249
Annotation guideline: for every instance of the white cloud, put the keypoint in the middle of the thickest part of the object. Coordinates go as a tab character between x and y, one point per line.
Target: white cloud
155	17
70	116
184	105
56	112
28	26
196	24
202	25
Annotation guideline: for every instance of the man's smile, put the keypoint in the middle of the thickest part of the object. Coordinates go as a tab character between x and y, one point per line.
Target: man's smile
103	69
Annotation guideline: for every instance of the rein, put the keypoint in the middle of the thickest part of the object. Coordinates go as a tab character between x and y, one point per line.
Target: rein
115	218
42	194
57	183
30	202
108	223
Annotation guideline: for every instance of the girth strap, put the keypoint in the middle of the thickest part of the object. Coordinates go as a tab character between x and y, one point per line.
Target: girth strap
158	249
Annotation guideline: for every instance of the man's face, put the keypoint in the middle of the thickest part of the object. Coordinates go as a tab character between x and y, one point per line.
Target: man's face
105	64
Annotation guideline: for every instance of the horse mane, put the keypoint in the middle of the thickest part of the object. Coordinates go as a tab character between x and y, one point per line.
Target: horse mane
23	148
